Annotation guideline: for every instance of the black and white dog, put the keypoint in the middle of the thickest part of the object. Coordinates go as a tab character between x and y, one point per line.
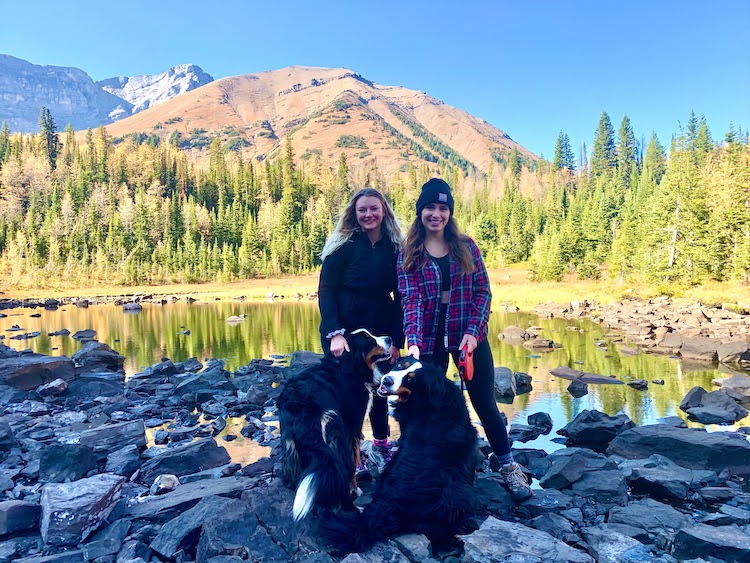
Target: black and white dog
428	487
321	410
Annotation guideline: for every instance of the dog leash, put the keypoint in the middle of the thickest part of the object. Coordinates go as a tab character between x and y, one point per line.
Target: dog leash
465	364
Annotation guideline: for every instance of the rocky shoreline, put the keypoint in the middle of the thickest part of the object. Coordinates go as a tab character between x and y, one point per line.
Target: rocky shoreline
80	481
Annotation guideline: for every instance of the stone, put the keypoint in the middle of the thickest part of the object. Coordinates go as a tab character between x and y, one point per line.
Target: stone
594	429
649	515
60	463
185	459
97	356
689	447
497	540
53	388
578	388
659	477
610	546
16	515
29	371
70	512
112	437
124	461
723	542
505	382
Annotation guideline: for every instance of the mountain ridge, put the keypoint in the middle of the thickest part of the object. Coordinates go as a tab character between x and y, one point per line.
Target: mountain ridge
326	111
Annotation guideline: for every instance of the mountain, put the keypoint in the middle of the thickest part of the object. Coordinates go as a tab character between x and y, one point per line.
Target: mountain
325	112
150	89
73	97
69	93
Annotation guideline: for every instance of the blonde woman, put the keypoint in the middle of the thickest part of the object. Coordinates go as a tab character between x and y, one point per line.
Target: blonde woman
358	287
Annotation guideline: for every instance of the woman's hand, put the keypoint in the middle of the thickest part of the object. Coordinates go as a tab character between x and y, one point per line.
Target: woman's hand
469	341
339	345
395	353
414	351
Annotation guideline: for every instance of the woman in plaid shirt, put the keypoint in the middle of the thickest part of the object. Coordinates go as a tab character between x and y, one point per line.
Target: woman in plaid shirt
445	296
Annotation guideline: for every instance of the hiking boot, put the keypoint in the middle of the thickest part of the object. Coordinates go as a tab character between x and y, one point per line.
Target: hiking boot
516	481
381	456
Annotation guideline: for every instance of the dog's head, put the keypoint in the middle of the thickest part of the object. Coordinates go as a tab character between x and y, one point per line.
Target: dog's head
368	349
404	377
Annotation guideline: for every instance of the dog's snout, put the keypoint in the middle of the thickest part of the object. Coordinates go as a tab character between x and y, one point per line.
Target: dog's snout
388	343
387	381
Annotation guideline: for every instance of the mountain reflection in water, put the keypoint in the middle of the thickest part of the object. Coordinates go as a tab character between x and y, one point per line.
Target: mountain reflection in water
282	328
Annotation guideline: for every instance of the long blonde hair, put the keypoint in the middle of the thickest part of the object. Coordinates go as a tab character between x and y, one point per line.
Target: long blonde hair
414	251
347	224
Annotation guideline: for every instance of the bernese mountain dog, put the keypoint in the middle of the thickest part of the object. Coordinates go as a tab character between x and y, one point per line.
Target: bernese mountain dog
321	410
428	487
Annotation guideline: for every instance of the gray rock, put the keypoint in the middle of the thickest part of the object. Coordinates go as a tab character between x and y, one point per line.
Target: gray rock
594	429
700	348
124	461
508	541
578	388
72	511
724	542
691	448
29	371
661	478
112	437
18	515
172	536
53	388
65	462
183	460
505	382
693	398
185	496
607	545
649	515
97	356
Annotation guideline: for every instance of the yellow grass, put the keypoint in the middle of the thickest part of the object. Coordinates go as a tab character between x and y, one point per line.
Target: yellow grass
509	284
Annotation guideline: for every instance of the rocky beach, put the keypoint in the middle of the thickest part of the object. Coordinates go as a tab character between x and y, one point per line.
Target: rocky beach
98	467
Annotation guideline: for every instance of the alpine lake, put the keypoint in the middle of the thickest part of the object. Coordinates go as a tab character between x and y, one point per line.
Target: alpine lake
276	330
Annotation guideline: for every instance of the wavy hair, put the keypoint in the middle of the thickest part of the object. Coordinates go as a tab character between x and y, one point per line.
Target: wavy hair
347	223
414	250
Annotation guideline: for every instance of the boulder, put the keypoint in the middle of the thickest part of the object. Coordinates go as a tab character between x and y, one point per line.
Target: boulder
71	511
578	388
594	429
18	515
97	356
659	477
701	348
505	382
726	543
183	460
60	463
689	447
497	540
29	371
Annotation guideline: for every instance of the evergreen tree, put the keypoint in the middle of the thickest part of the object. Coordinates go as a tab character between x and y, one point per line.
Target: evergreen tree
655	159
563	154
4	143
50	139
604	154
627	166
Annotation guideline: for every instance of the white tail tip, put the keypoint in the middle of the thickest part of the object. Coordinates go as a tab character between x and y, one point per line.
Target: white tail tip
305	497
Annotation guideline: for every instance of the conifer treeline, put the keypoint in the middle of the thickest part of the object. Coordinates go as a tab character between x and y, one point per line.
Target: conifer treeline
138	211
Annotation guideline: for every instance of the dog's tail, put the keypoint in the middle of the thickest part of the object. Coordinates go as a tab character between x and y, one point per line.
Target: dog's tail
328	478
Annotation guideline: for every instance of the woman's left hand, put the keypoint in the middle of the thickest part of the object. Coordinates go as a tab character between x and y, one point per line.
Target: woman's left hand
469	341
395	354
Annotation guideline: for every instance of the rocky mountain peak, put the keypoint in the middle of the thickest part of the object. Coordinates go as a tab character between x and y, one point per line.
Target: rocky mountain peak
144	91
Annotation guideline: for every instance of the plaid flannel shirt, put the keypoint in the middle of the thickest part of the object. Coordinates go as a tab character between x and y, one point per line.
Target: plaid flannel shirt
468	309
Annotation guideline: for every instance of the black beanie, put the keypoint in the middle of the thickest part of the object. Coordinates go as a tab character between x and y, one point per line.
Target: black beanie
435	191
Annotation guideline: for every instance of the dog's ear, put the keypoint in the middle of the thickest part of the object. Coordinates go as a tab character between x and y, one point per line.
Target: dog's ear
432	382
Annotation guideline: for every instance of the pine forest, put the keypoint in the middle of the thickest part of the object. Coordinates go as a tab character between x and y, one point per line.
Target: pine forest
138	210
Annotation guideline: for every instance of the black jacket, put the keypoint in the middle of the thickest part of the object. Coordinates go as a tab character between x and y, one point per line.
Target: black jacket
358	289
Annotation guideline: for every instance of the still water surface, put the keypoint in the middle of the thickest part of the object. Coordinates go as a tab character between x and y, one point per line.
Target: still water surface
281	328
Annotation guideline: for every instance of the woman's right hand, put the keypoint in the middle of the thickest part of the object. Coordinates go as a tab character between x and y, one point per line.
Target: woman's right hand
414	351
339	345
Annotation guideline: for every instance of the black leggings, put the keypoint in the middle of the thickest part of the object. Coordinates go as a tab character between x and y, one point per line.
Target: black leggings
378	410
481	390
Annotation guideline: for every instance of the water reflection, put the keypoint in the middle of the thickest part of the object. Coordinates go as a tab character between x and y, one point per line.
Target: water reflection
281	328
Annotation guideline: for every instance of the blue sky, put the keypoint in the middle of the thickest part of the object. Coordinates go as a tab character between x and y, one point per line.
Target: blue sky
531	68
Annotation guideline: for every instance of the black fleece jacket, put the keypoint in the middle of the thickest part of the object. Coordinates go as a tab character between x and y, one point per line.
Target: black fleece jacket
358	289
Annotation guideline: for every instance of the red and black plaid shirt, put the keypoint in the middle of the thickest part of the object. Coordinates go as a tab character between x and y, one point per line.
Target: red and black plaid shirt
468	308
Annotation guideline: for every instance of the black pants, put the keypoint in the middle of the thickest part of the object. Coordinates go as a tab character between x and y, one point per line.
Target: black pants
481	390
379	408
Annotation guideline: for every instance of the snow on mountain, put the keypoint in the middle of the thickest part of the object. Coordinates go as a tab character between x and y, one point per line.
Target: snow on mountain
148	90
